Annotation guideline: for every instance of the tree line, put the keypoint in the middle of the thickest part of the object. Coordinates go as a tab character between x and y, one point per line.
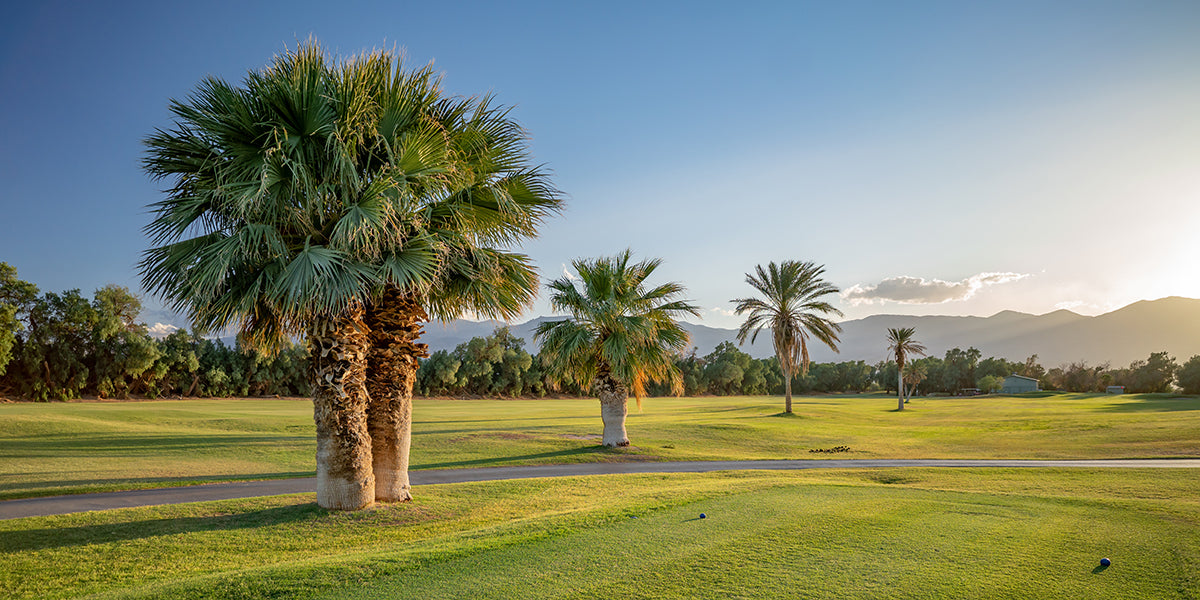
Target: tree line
62	346
499	365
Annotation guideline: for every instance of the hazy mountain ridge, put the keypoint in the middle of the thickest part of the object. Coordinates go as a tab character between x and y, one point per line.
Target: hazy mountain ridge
1118	337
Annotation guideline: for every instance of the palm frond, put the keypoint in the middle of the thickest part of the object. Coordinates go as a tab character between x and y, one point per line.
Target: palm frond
314	183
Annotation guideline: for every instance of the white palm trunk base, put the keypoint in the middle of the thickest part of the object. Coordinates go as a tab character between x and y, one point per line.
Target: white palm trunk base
613	408
391	467
339	492
900	388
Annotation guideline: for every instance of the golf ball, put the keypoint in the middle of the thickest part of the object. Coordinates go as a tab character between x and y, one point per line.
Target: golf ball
704	516
1105	562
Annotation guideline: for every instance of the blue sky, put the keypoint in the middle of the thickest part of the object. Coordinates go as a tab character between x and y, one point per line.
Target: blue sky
937	157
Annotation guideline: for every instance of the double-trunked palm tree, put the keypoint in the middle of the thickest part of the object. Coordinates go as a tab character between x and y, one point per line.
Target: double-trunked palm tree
619	336
345	201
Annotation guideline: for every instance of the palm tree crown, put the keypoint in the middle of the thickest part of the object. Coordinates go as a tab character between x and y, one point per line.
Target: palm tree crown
901	343
317	184
619	329
791	306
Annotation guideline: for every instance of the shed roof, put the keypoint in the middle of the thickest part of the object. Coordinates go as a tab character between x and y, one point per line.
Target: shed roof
1021	377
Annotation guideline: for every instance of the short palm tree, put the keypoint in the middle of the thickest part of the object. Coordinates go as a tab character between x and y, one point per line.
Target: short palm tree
619	336
914	373
792	308
901	343
314	194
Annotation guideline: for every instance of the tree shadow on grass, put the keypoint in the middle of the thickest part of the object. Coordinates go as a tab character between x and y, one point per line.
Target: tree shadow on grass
1152	403
66	487
503	461
106	444
58	537
490	420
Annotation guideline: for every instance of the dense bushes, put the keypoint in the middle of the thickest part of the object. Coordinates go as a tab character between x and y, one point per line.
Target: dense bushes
497	365
1154	374
63	346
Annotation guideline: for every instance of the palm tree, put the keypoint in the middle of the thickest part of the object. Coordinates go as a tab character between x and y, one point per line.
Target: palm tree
315	193
619	336
493	199
901	343
792	308
914	373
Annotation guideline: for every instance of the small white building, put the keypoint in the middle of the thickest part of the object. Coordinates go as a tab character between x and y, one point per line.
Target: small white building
1015	384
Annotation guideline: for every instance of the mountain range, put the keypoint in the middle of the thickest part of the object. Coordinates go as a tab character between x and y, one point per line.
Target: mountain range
1118	337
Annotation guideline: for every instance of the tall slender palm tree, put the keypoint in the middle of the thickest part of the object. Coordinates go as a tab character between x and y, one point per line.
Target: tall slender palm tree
619	336
901	343
792	308
312	193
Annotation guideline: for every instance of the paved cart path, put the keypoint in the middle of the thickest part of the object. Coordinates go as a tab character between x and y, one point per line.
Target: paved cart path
57	505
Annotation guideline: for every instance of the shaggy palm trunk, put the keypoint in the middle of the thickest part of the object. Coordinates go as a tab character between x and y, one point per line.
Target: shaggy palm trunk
395	323
613	399
900	385
338	349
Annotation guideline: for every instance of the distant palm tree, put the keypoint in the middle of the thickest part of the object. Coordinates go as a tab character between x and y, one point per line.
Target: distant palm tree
901	343
792	308
914	374
619	336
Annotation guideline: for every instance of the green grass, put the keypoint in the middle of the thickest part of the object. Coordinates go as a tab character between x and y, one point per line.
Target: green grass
55	448
900	533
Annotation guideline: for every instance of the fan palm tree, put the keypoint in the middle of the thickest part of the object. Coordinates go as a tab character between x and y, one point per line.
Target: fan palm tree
311	194
901	344
792	308
619	336
494	199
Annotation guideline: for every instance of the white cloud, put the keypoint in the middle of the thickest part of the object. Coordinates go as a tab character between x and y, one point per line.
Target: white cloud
161	330
722	311
918	290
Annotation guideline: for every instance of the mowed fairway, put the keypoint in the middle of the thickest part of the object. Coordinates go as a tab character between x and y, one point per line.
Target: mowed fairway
899	533
55	448
885	533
